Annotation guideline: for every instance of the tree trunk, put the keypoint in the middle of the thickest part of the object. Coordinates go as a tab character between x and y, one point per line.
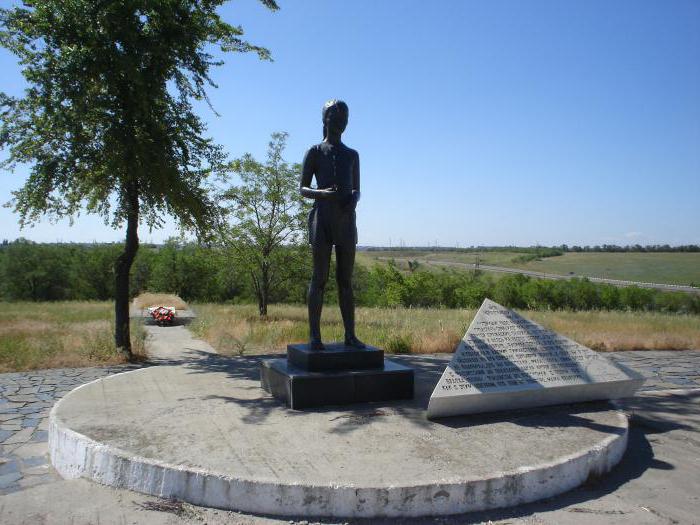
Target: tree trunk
122	334
262	306
264	290
262	302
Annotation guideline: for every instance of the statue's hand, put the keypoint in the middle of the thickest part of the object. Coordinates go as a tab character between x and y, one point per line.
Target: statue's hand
318	193
350	201
330	193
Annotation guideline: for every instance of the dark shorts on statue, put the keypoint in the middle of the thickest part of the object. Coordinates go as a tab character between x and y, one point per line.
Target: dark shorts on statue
329	223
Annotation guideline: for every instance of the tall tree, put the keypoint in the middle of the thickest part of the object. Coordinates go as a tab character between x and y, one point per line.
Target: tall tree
107	123
268	218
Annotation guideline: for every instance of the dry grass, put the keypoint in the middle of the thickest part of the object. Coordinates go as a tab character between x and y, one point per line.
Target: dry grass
56	335
159	299
72	334
239	330
610	331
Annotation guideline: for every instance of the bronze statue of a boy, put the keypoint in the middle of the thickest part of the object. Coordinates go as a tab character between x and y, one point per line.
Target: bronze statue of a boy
332	219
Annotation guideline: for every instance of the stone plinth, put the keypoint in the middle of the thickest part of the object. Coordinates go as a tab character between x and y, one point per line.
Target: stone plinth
336	375
506	361
335	356
300	388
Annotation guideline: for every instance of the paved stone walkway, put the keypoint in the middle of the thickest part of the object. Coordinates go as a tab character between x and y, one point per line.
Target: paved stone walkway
26	399
664	370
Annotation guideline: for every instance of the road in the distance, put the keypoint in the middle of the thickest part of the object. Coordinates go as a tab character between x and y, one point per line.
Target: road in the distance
542	275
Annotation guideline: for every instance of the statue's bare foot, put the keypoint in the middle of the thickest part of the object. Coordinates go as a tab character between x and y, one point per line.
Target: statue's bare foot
316	344
354	342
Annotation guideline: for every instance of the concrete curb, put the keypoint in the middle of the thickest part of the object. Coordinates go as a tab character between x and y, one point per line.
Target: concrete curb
75	455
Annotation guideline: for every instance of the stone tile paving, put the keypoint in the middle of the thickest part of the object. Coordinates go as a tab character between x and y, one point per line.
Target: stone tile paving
26	399
664	370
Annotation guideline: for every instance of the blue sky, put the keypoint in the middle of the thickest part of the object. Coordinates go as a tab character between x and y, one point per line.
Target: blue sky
477	123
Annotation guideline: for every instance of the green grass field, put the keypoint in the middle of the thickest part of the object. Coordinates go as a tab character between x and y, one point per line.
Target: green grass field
494	258
401	259
669	268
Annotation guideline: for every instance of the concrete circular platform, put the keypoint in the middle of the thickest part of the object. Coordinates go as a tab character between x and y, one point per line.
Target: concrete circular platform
203	431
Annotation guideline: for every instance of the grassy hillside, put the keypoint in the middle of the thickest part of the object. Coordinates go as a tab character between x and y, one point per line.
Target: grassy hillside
401	259
670	268
498	258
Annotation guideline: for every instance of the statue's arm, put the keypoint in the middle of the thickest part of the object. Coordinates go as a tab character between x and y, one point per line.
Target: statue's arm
356	179
307	172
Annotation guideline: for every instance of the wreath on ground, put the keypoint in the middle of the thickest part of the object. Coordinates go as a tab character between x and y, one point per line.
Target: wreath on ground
162	315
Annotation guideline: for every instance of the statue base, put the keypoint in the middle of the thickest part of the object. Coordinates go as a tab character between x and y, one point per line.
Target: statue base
338	375
335	356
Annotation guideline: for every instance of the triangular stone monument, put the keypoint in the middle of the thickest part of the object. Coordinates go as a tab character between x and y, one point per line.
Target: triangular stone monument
506	361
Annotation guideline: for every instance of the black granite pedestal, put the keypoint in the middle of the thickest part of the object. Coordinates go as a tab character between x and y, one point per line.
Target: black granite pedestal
338	375
336	356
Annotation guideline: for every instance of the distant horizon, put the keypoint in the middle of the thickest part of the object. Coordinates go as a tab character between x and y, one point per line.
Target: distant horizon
363	247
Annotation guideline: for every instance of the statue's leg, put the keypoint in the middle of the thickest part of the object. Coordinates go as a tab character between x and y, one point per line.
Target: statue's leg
345	259
321	259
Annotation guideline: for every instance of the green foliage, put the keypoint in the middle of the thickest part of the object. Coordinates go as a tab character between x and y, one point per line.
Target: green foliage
609	297
108	108
399	343
471	292
107	123
35	272
507	291
421	289
637	298
95	268
538	293
537	253
193	272
268	217
52	272
413	265
141	270
384	288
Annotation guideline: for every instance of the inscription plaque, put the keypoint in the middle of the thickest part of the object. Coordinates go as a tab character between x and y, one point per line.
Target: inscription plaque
506	361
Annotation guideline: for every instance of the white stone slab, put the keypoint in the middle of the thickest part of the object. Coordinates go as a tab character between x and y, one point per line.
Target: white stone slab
506	361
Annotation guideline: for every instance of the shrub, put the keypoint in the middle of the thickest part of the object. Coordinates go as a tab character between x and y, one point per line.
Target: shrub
399	343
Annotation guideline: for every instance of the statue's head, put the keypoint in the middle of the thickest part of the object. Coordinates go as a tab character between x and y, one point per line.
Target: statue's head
335	117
